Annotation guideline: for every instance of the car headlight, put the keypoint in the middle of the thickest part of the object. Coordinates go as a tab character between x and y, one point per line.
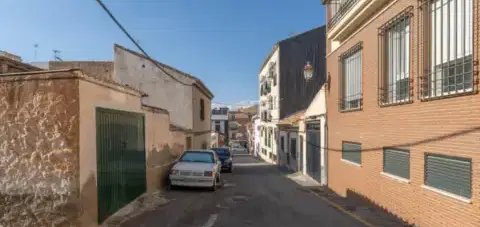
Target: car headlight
174	172
208	173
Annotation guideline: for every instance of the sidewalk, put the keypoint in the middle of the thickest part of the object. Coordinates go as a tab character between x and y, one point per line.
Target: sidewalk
354	205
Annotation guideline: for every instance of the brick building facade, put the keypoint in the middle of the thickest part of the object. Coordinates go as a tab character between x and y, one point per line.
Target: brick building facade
403	108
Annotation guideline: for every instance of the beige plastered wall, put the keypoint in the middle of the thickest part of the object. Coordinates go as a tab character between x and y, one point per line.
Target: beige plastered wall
162	146
201	128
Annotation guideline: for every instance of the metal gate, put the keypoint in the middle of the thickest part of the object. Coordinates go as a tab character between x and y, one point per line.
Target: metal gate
121	165
313	151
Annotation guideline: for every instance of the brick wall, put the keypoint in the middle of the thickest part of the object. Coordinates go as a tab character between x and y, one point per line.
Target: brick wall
446	126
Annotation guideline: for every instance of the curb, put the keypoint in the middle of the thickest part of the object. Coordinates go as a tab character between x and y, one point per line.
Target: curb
340	208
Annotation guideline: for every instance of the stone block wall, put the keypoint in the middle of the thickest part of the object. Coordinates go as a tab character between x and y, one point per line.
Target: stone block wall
38	151
102	70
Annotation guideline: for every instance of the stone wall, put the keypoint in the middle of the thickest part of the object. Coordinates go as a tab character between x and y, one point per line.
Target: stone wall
102	70
39	146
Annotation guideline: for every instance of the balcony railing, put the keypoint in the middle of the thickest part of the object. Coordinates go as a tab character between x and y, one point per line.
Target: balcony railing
339	9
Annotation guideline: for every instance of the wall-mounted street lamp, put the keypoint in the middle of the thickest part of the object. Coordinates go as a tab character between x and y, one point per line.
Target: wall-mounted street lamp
308	71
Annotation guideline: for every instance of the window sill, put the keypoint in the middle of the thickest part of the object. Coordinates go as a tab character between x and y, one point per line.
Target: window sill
351	163
448	194
398	103
396	178
351	110
447	96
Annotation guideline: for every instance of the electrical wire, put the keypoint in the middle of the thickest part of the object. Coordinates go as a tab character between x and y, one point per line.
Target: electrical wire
136	43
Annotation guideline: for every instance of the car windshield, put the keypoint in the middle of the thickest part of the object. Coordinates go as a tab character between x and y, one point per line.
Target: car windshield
203	157
224	152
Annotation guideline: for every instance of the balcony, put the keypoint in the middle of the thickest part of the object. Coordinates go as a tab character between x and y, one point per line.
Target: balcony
265	88
347	16
339	8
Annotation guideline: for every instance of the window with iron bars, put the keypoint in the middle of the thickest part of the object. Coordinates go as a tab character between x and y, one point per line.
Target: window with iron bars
447	46
351	79
395	83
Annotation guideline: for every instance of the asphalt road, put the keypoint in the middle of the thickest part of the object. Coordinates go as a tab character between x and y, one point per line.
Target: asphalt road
255	194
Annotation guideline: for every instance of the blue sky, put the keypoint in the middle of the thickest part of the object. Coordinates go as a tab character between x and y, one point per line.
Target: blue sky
223	42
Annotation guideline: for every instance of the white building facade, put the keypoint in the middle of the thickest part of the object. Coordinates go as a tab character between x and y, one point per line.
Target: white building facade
220	120
312	135
269	110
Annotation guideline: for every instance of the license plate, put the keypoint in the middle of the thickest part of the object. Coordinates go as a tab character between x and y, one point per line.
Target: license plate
189	180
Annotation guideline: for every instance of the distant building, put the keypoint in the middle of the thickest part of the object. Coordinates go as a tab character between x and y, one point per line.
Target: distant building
238	121
253	128
10	63
220	121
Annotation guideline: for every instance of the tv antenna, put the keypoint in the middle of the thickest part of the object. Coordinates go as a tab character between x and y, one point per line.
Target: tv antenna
35	46
55	55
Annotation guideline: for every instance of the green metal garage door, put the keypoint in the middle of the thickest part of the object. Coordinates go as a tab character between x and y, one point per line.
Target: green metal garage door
120	159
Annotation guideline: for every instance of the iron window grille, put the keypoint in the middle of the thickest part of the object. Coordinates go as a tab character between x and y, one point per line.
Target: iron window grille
395	80
338	9
270	102
351	97
272	74
446	42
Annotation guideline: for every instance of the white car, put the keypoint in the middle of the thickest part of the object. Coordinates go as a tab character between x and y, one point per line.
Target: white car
197	168
239	148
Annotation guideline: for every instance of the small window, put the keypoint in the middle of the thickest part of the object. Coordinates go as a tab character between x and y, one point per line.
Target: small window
202	109
450	174
396	162
269	138
293	148
265	139
352	152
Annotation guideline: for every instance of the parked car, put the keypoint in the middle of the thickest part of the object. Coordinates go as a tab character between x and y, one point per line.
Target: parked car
239	148
225	157
197	168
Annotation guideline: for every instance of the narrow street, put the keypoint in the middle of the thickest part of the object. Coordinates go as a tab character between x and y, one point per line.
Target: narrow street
255	194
